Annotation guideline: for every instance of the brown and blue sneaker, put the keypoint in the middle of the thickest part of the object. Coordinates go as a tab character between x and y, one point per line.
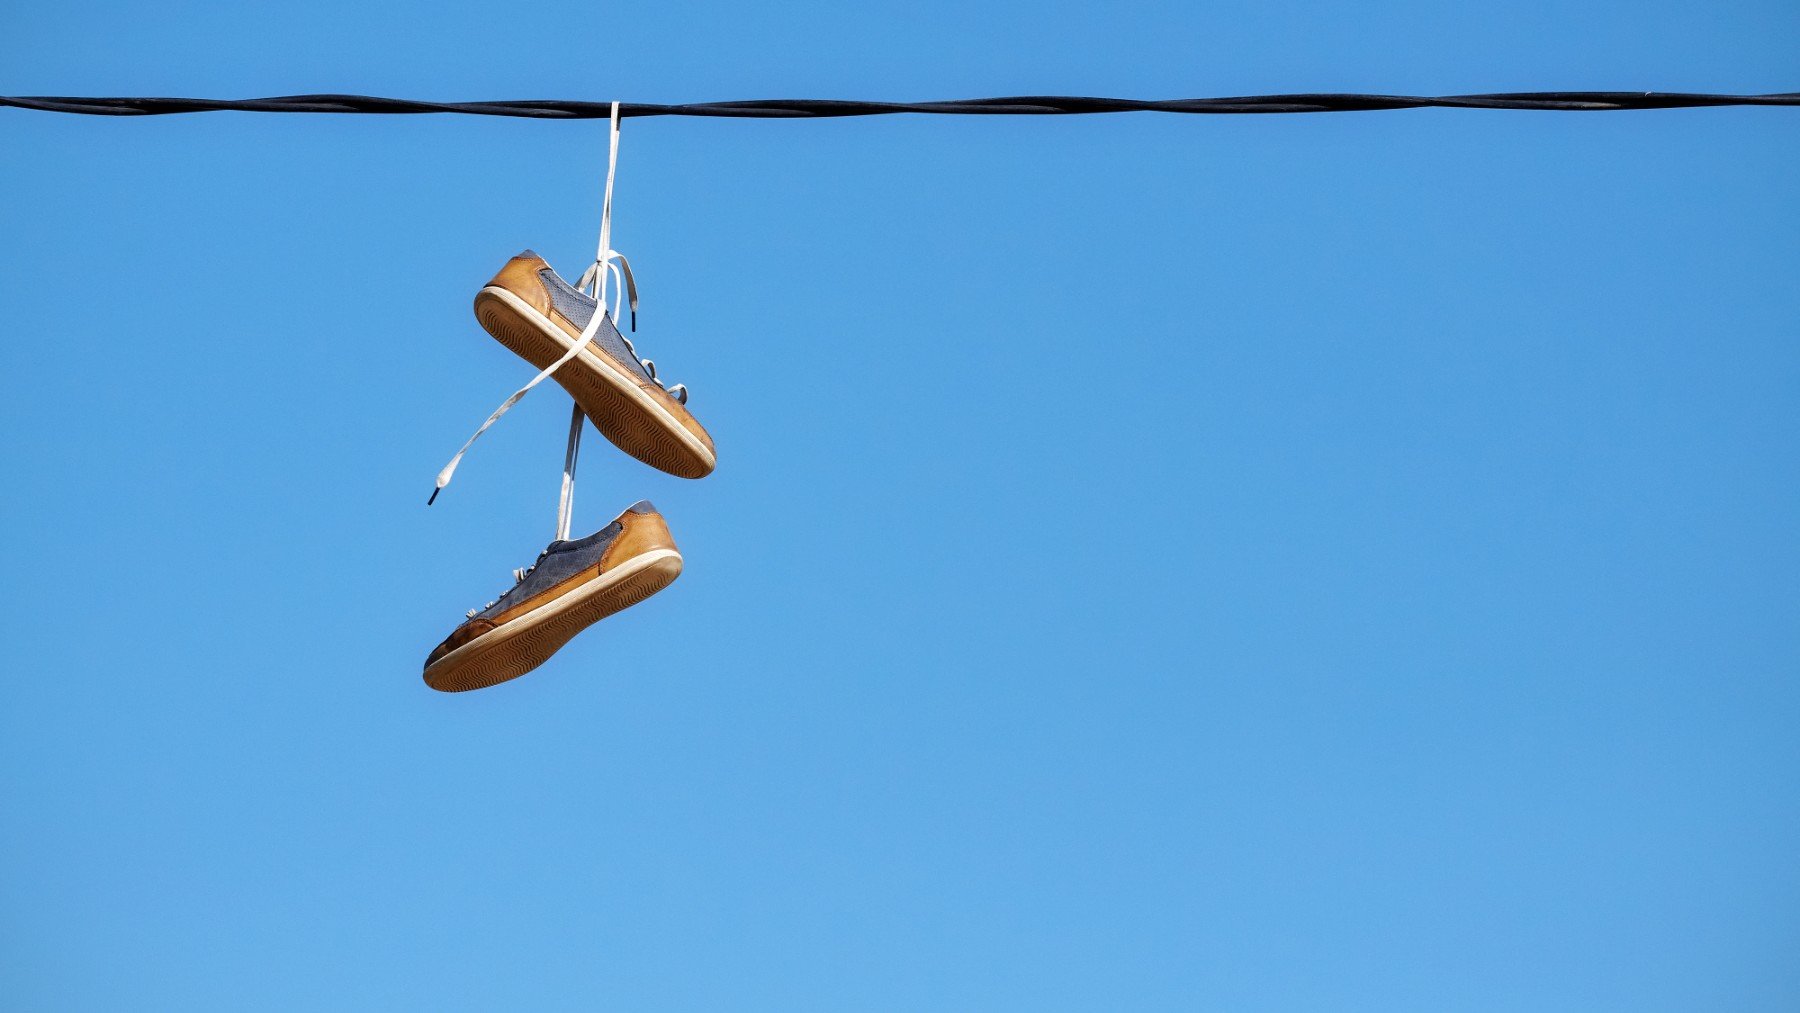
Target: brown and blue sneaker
530	309
573	585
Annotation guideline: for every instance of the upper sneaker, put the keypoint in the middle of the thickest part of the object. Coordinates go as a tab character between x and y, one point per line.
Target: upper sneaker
573	585
533	311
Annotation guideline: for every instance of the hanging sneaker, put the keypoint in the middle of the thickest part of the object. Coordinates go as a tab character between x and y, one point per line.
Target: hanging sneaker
573	585
533	311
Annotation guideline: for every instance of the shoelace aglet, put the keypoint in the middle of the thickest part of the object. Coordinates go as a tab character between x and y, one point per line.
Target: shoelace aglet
443	478
634	320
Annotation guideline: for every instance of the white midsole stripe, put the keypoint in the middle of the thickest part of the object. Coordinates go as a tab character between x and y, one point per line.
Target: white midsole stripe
624	383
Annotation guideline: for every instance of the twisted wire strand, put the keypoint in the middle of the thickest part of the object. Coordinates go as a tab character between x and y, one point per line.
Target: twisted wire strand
1017	105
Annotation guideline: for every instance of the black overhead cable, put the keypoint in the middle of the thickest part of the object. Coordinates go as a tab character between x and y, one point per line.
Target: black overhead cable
1021	105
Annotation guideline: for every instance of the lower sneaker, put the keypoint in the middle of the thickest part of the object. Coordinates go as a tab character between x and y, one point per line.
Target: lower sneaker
530	309
573	585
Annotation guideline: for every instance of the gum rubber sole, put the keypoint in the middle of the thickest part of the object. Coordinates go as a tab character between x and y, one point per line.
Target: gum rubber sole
623	412
523	644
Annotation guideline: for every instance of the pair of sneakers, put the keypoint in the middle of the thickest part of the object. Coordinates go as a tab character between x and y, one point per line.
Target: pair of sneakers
575	583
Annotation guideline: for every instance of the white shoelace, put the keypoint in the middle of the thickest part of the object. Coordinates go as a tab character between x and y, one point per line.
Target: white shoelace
565	507
609	266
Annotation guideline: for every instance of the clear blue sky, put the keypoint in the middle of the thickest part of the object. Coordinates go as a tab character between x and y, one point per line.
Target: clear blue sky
1285	563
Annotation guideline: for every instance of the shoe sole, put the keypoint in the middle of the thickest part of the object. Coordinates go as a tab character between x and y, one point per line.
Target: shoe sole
516	648
621	410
